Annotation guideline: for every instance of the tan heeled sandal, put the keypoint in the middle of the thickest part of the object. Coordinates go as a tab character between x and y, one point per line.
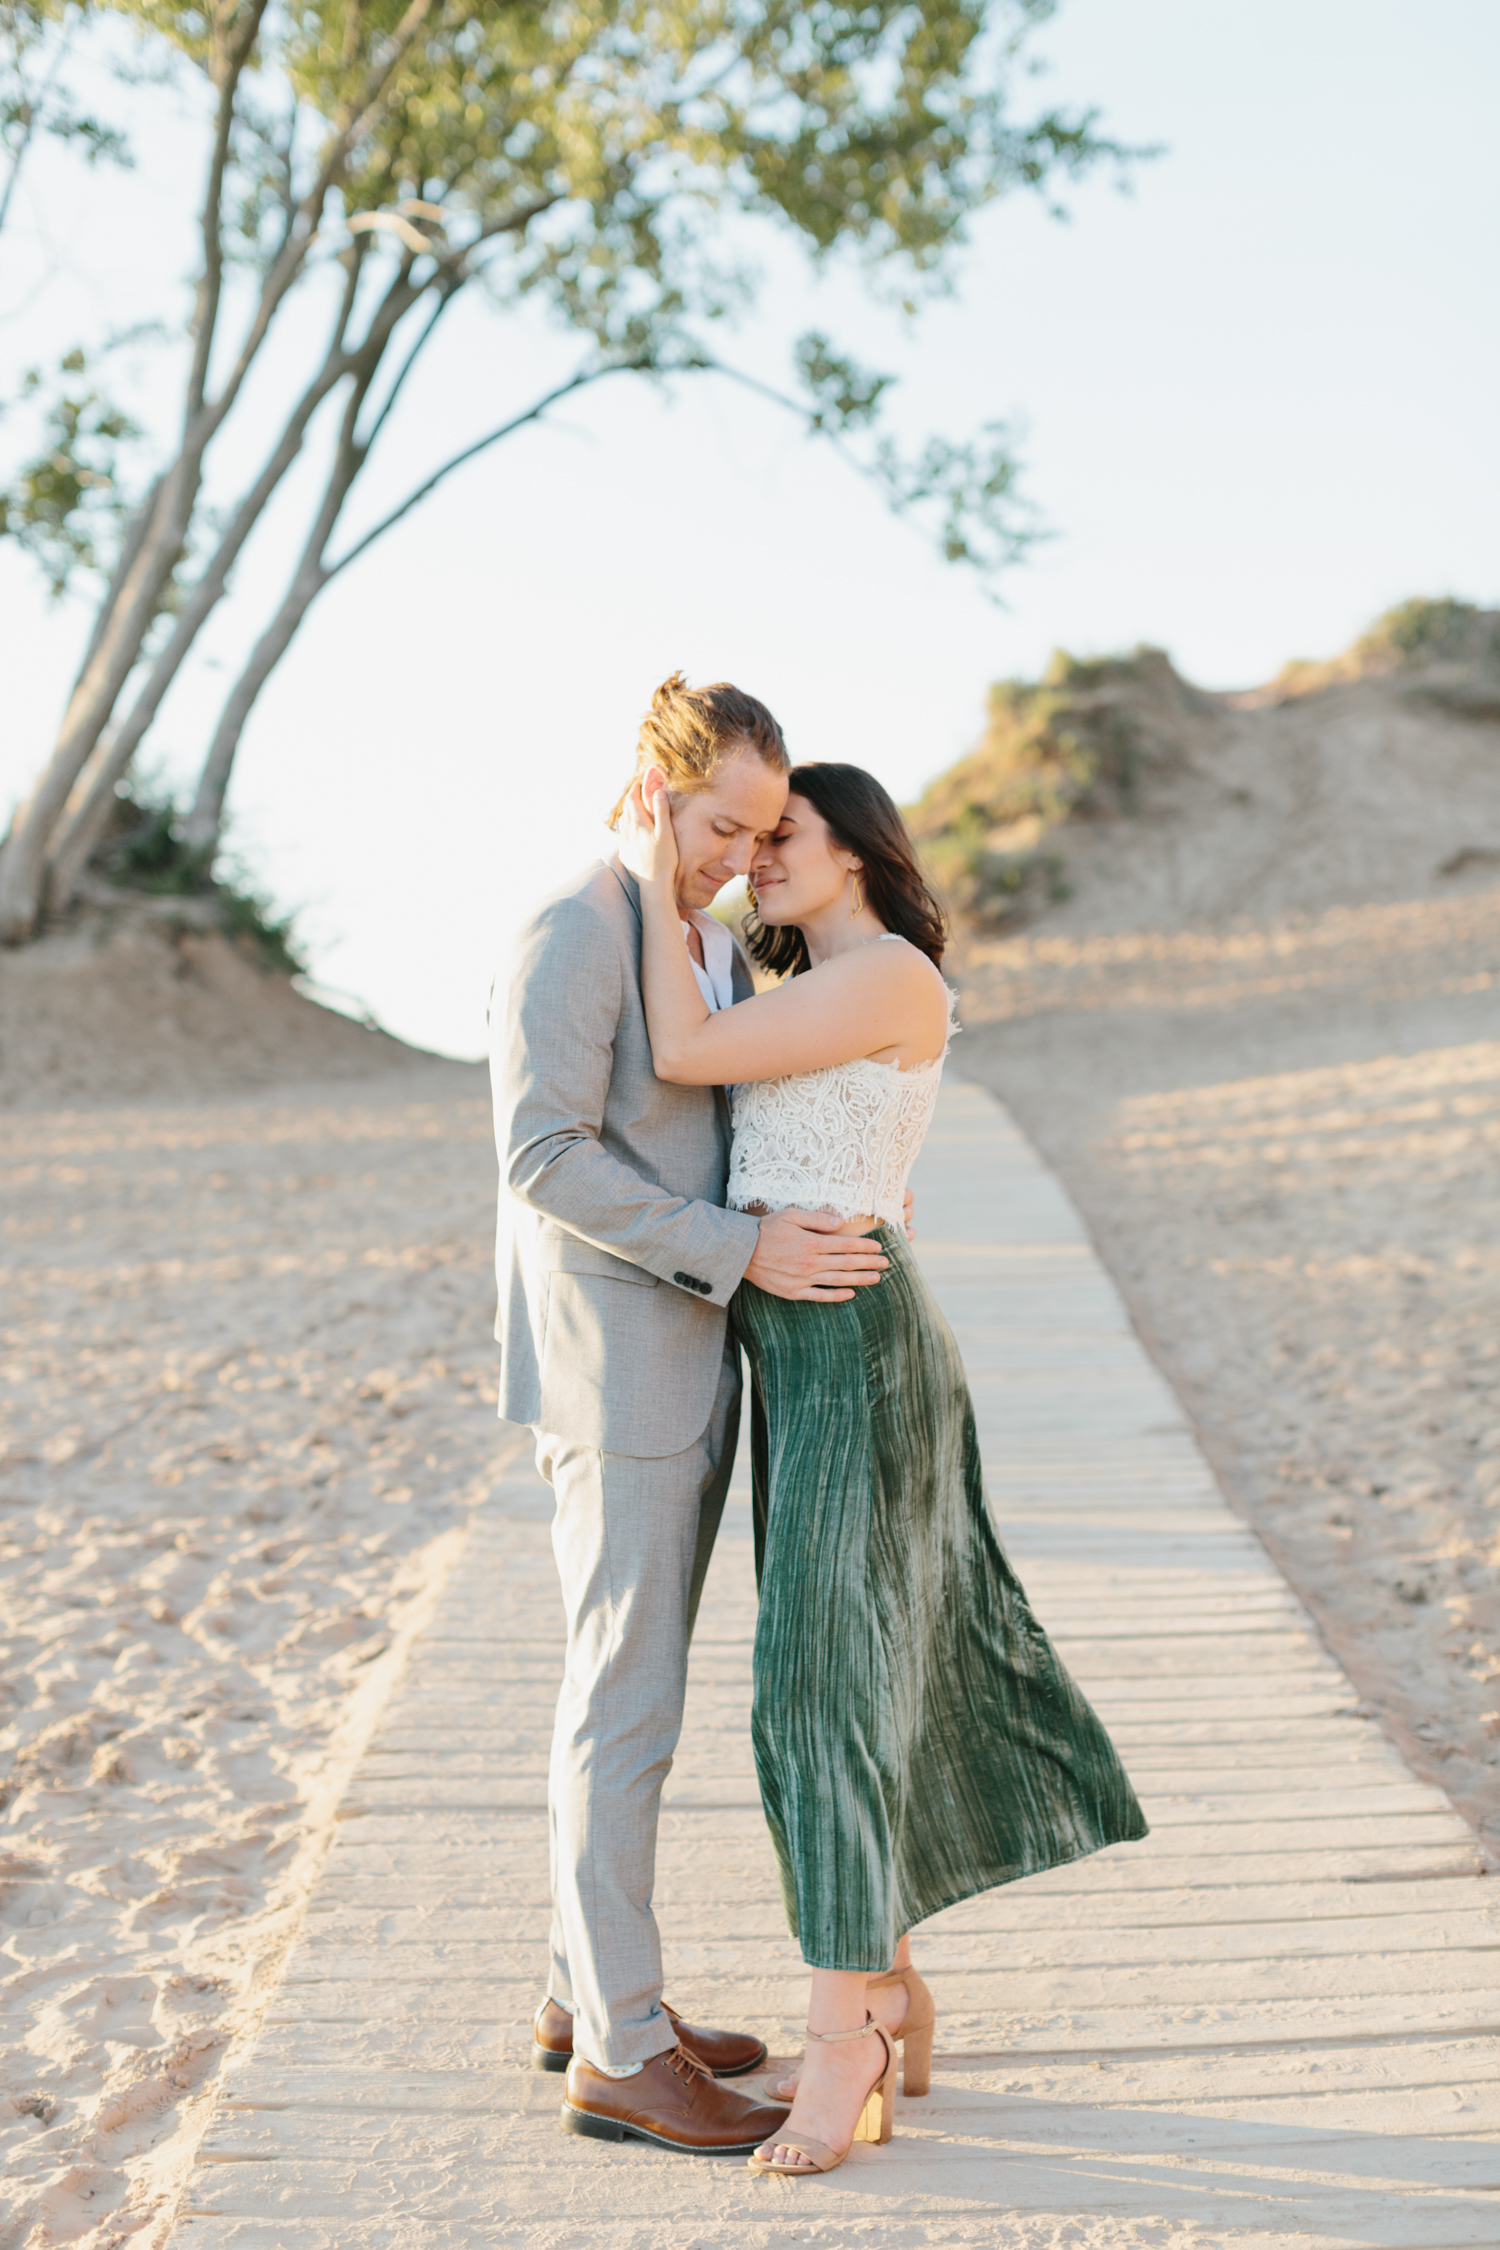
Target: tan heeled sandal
872	2124
913	2035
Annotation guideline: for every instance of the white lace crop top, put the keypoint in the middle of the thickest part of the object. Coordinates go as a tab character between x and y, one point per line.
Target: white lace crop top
841	1139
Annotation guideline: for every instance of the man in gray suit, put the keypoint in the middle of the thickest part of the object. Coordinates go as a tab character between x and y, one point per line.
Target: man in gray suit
617	1261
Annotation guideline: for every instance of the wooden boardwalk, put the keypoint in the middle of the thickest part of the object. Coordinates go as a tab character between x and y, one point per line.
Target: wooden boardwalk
1276	2022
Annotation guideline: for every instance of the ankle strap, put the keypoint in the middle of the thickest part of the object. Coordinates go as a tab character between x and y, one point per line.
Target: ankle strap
832	2038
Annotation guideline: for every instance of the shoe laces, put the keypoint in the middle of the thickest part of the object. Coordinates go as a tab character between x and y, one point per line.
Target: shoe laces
685	2066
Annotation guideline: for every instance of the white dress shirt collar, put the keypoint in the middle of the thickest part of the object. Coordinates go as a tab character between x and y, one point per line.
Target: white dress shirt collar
716	976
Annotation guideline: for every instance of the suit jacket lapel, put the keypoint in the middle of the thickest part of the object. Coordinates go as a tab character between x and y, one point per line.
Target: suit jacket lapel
742	985
741	982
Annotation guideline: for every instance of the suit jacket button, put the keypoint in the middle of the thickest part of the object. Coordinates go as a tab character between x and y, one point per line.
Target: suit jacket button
682	1277
707	1288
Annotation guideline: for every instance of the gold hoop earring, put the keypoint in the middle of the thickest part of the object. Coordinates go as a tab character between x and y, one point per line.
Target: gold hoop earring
857	905
754	898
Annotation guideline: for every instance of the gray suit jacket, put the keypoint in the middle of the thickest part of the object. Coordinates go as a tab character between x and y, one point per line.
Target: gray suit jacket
616	1258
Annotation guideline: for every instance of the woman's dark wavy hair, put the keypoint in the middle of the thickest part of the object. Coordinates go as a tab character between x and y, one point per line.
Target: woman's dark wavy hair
862	817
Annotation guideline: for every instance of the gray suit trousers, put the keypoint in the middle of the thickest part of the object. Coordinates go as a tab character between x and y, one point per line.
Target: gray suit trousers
632	1539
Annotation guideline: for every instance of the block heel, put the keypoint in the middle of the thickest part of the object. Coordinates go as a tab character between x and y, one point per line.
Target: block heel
876	2119
916	2061
914	2036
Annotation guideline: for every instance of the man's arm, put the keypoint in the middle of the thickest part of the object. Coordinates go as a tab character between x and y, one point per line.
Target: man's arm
554	1063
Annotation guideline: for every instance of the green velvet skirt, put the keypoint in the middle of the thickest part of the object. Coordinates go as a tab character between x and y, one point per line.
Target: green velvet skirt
916	1737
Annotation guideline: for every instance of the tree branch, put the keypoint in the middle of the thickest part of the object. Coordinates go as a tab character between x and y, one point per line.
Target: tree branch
135	533
230	69
481	445
203	824
33	117
944	472
303	230
445	299
206	818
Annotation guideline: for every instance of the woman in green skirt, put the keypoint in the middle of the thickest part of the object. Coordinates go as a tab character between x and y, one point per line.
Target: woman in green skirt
916	1737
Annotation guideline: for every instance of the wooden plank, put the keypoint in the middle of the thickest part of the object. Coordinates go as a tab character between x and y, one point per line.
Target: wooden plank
1255	1741
354	2114
1194	1803
1184	1891
976	1993
1018	1908
510	1840
1226	1832
1196	1769
498	2016
1263	2081
955	1945
995	2181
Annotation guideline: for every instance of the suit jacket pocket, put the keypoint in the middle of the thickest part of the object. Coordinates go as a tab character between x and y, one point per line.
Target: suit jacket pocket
567	1253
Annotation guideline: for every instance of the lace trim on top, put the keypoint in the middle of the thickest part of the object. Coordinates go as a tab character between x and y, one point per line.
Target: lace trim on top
842	1139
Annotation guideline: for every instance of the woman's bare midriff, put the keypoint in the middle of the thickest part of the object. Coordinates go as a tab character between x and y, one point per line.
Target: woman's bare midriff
865	1225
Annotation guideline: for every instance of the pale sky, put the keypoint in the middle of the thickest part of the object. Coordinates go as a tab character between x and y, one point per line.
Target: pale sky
1259	404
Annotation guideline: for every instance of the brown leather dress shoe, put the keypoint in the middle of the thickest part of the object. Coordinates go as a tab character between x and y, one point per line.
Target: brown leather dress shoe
723	2054
672	2102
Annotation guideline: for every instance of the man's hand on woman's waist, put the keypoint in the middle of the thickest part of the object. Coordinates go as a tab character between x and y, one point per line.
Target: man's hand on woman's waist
803	1254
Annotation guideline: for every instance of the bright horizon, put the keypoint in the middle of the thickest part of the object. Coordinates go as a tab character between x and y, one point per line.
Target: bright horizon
1258	400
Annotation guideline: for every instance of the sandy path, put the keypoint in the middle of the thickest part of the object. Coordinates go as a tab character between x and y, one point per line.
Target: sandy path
248	1396
1284	1138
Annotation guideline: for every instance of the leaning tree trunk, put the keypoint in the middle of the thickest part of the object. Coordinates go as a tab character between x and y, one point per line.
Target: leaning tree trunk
131	608
85	815
84	819
23	862
206	819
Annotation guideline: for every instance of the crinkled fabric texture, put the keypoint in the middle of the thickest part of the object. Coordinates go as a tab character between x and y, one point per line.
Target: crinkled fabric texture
916	1736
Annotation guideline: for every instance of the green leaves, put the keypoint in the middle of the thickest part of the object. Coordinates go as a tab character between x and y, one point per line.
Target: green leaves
969	494
1417	632
65	501
143	849
966	494
845	397
590	154
35	37
878	129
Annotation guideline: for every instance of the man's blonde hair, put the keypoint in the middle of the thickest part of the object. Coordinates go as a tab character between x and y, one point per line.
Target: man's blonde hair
691	732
